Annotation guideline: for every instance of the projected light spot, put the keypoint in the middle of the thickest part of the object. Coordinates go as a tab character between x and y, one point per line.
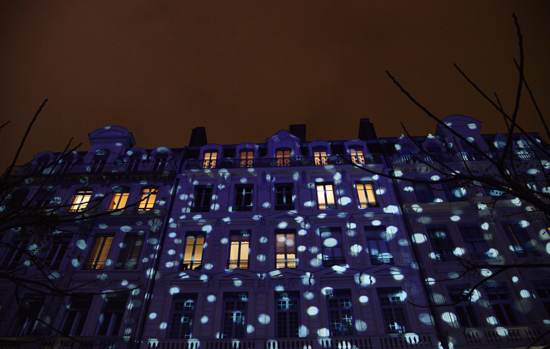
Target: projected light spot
419	238
321	215
81	244
75	263
196	217
323	332
208	266
438	298
330	242
282	225
309	295
425	220
263	240
524	294
403	242
417	208
391	209
408	189
360	325
524	224
266	205
207	228
224	241
237	282
491	320
450	318
264	319
344	201
312	311
303	331
163	325
430	281
204	320
516	201
261	258
302	232
455	218
376	222
425	318
435	178
363	299
364	279
397	173
459	251
380	191
153	316
355	250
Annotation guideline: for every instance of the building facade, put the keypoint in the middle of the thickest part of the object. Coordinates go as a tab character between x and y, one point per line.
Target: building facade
284	244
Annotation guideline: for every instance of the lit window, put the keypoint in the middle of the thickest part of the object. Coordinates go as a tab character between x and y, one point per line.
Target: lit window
119	201
76	315
284	196
285	249
112	314
130	251
475	242
466	311
26	321
203	196
357	156
15	251
210	159
247	158
320	157
365	193
442	244
340	312
80	200
283	157
100	251
234	315
239	249
243	197
288	314
520	240
378	245
501	302
325	196
182	316
148	197
192	258
393	312
332	247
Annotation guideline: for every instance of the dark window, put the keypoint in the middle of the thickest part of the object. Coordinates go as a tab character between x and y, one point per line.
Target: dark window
288	314
76	314
285	249
243	197
234	315
520	240
160	163
182	316
501	302
99	161
203	195
332	247
112	314
423	192
284	196
454	191
13	253
543	292
378	246
130	251
466	310
239	249
44	198
340	312
192	257
56	252
26	320
475	242
393	312
442	244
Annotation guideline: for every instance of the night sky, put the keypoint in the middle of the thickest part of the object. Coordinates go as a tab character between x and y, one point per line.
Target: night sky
246	69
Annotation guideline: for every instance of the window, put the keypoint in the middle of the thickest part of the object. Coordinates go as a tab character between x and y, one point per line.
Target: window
519	240
112	314
325	196
56	252
26	321
357	156
475	242
340	312
182	316
133	164
148	197
378	245
442	244
423	192
234	315
119	199
160	162
43	198
247	158
285	249
15	250
454	192
76	315
203	195
501	302
130	251
283	157
239	249
543	292
192	258
210	159
80	200
332	247
288	314
100	251
284	196
16	199
243	197
466	311
320	157
365	193
393	312
99	161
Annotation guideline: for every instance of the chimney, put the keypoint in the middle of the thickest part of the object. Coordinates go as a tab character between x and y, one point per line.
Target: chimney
198	137
299	131
366	130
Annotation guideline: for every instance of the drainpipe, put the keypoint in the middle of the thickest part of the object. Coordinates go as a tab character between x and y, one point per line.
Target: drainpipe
138	340
416	254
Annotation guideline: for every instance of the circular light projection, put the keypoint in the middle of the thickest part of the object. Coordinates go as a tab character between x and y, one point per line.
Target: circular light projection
419	238
211	298
425	318
312	311
264	319
152	316
303	331
282	225
249	329
360	325
309	295
376	222
163	325
204	320
450	318
363	299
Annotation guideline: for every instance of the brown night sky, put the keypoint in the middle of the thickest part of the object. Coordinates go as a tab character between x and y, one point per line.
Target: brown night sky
245	69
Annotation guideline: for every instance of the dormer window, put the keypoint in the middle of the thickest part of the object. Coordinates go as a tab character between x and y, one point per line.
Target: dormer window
357	156
320	156
247	158
283	157
210	158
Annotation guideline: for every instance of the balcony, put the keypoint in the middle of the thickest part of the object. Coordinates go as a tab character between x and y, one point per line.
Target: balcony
128	168
500	337
279	162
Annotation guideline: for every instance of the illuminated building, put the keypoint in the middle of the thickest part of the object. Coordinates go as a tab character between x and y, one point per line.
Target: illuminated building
283	244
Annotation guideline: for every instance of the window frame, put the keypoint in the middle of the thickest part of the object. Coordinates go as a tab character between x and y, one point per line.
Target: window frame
287	314
282	193
443	248
283	157
283	250
357	155
366	197
325	195
184	306
234	315
81	199
129	255
246	157
119	199
332	255
503	307
99	253
239	257
203	196
193	252
340	312
244	200
519	239
148	198
393	312
210	158
112	315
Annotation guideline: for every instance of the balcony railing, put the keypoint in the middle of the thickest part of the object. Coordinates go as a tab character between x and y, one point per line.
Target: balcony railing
401	159
501	337
279	162
107	168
